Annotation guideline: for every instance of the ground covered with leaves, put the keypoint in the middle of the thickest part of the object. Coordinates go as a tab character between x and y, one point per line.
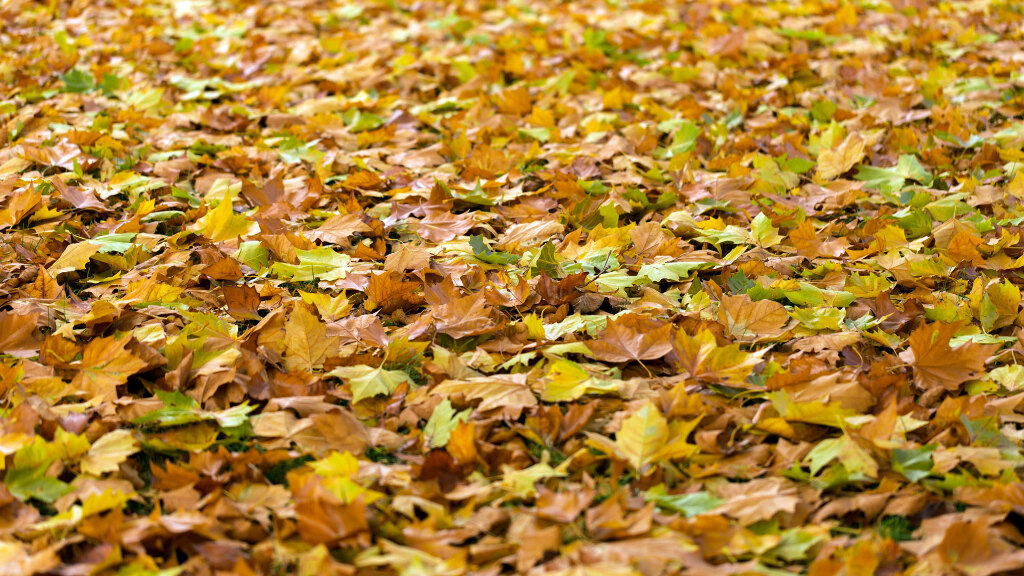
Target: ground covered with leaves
586	288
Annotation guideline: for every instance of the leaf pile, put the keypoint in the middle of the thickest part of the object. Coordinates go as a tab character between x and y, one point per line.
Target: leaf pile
595	287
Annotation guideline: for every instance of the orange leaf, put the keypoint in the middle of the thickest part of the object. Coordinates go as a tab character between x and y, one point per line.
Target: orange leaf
810	246
937	364
632	337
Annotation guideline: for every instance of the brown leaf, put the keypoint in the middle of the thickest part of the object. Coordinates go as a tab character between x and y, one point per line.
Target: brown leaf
561	292
466	316
16	332
744	317
322	517
389	292
810	246
243	302
337	229
633	337
936	364
443	226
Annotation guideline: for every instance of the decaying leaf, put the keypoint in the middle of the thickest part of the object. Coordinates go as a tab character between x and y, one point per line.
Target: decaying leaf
449	288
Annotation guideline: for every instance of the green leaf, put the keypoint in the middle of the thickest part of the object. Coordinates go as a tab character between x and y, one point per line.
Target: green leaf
118	243
110	84
547	262
914	463
892	180
181	409
689	505
318	264
367	381
671	271
77	81
178	409
26	483
763	233
484	253
442	421
823	110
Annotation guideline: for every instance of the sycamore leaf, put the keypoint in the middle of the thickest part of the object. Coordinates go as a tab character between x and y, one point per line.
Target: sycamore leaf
702	358
507	391
810	246
466	316
221	223
16	332
337	229
937	364
763	233
442	422
318	264
367	381
306	342
642	435
444	226
108	452
105	365
568	381
690	504
743	317
835	162
632	337
73	258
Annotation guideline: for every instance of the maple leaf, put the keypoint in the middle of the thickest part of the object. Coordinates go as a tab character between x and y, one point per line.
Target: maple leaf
18	207
937	364
324	518
242	302
701	357
74	257
494	258
105	365
221	223
743	317
633	337
306	341
466	316
836	162
318	264
507	391
338	228
389	292
444	226
646	438
810	246
367	381
108	451
642	435
45	286
16	332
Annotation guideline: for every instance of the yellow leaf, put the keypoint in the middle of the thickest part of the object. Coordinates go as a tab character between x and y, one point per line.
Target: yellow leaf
834	163
74	257
642	435
222	223
569	381
367	381
105	365
330	308
305	340
703	359
109	451
18	207
151	291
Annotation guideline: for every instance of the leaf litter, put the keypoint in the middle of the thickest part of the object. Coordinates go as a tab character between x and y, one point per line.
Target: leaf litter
457	288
